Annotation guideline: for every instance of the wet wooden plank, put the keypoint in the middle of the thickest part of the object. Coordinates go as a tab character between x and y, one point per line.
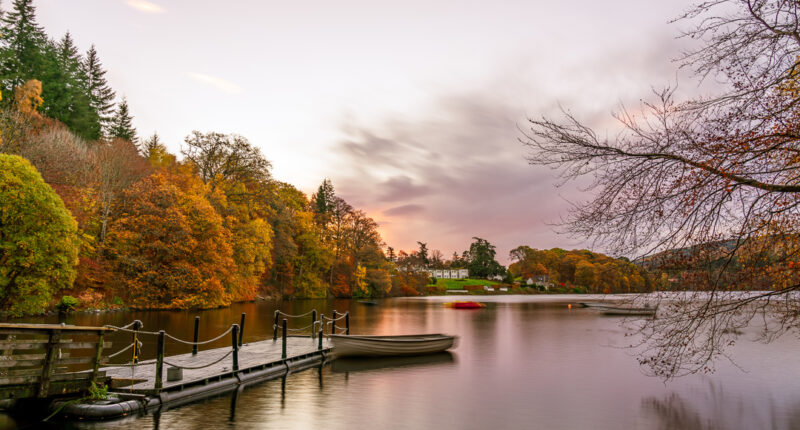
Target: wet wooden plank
26	328
82	345
20	363
75	360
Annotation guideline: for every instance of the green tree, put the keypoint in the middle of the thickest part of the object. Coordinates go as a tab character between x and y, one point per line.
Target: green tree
101	96
121	125
65	92
21	43
38	239
481	259
423	253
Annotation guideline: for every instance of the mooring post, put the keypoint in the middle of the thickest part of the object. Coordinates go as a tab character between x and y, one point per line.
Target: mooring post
275	327
313	323
347	323
283	352
321	333
196	334
159	361
137	325
235	345
241	329
333	323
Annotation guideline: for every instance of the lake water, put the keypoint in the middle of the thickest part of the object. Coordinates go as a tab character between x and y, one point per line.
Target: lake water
523	362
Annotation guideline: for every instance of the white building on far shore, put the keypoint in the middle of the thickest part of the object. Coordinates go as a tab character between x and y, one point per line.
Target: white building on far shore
448	273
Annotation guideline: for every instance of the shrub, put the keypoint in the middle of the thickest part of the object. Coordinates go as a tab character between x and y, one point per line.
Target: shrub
38	239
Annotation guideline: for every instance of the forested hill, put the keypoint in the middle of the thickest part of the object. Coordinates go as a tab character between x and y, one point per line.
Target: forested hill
140	226
580	270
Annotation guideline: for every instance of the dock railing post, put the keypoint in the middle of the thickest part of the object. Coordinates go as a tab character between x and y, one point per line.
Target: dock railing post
137	325
235	345
313	323
196	334
159	361
283	351
333	323
241	329
275	327
347	323
321	335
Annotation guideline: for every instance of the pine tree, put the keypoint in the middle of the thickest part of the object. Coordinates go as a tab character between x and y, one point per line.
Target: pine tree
22	42
64	88
121	125
148	147
101	96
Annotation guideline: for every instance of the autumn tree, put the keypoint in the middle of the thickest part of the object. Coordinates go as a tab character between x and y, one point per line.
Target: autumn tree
225	157
713	178
170	246
38	241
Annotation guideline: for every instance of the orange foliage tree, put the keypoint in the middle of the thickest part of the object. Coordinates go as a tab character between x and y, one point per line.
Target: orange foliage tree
170	245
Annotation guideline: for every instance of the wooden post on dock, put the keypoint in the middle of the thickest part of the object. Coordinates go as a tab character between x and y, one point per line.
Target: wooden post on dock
347	323
283	350
159	361
275	327
241	329
333	323
235	345
137	325
313	323
321	333
196	334
98	355
49	362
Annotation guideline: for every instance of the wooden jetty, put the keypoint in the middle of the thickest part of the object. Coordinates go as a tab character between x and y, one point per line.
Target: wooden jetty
35	359
141	386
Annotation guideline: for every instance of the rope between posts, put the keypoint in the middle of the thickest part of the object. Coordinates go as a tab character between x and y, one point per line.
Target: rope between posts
296	316
299	329
334	319
199	343
123	350
199	367
154	333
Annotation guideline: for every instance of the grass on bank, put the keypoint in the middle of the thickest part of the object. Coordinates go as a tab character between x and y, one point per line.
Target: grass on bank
460	284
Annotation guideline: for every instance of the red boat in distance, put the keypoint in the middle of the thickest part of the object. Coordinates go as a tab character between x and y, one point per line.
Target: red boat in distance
465	305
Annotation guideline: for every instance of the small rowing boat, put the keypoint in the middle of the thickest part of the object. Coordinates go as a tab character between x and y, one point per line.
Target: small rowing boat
464	305
387	346
614	309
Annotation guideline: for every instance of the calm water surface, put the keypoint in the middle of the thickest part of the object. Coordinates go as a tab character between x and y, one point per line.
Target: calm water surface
524	362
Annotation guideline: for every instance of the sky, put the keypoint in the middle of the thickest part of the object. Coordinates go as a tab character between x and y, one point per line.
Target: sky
413	109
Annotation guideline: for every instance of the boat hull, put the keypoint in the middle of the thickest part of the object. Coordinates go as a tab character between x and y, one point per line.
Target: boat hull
389	346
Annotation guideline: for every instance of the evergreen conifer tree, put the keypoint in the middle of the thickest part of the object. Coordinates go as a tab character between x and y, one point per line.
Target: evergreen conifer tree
101	96
121	125
22	42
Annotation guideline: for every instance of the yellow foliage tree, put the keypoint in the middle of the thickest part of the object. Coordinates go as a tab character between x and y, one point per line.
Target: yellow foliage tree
28	97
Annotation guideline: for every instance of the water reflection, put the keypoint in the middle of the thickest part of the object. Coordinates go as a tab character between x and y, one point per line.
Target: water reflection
522	362
714	409
347	365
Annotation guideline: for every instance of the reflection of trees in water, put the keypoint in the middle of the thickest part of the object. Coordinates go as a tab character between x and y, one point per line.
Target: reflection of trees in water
716	411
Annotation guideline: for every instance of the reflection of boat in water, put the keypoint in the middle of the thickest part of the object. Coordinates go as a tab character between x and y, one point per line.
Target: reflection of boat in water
355	364
368	302
614	309
377	346
464	305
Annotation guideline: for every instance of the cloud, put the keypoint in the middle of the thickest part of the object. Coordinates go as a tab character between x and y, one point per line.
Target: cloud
219	83
403	210
459	170
145	6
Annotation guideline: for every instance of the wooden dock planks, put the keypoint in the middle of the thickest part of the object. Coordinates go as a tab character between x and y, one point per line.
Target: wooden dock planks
250	355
